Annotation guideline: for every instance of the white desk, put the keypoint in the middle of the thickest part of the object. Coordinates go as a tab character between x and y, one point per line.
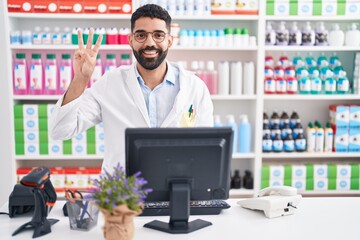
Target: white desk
316	218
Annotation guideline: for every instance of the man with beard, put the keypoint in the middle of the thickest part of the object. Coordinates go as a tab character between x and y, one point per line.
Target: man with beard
152	92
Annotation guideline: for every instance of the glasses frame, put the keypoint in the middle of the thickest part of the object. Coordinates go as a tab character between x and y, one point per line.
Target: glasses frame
152	36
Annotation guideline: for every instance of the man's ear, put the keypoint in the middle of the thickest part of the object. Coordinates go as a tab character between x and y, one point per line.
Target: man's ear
170	40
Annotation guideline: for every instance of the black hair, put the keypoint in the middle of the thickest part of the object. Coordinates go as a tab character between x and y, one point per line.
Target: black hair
151	11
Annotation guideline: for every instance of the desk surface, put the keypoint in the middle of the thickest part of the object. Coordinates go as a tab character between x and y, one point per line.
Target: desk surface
316	218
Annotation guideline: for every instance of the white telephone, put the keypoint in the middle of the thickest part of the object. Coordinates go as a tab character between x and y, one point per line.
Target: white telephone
274	201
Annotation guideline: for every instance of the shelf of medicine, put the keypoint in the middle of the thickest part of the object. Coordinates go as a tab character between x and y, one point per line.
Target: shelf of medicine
311	48
127	47
325	193
229	17
67	47
243	155
311	97
233	97
293	155
313	18
59	157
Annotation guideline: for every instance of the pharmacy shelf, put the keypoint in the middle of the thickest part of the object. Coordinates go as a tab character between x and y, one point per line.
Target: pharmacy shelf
60	157
330	193
36	97
311	97
67	47
313	18
231	17
243	155
69	16
233	97
293	155
197	48
311	49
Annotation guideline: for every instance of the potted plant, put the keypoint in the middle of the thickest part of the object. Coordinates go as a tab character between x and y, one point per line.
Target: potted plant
120	198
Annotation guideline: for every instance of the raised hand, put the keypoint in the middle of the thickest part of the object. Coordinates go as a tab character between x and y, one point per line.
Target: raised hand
85	57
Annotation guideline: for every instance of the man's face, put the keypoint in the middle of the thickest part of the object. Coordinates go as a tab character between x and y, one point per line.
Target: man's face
146	42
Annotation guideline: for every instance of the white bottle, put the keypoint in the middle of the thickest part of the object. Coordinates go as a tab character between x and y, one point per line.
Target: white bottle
236	78
249	78
231	123
352	36
329	138
311	137
319	141
66	36
56	36
37	36
336	36
224	77
270	35
217	121
294	35
46	36
308	35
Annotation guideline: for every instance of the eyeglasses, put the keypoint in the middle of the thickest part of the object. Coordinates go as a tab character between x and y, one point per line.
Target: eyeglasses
157	36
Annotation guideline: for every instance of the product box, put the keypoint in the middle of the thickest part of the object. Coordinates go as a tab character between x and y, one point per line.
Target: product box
354	117
298	172
71	6
29	110
340	116
329	8
354	184
343	184
100	148
354	140
76	178
93	174
320	171
31	149
305	8
341	140
223	7
352	8
95	6
58	178
40	6
119	6
79	148
276	182
320	184
31	136
299	184
276	172
55	148
248	7
19	6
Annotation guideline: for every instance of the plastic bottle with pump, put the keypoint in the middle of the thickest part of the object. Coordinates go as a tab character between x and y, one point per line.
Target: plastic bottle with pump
294	35
212	78
311	137
330	83
21	77
217	121
343	84
321	35
282	35
316	83
305	83
352	36
231	123
65	73
329	138
36	75
270	35
319	143
236	80
110	62
308	35
244	135
51	75
336	36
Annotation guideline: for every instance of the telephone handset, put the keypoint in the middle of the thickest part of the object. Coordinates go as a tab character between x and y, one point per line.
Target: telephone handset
274	201
278	190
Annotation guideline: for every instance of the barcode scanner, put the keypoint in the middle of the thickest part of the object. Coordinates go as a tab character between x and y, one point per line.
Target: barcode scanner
45	197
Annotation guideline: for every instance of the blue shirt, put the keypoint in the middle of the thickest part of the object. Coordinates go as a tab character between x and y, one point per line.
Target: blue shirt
160	100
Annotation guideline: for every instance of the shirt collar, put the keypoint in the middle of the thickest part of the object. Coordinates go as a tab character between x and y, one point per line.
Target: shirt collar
169	77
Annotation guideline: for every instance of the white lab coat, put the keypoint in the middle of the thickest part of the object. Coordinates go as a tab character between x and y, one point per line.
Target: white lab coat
117	101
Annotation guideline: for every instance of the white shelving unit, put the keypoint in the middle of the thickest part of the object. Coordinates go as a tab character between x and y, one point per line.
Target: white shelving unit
309	107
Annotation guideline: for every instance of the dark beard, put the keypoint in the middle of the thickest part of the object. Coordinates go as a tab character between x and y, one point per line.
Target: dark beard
150	63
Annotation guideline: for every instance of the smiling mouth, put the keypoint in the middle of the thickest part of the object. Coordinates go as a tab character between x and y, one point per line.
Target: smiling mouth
150	53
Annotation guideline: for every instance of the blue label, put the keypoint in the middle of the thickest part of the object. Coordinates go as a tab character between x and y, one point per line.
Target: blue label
353	8
299	172
79	149
31	136
102	136
31	149
30	111
329	8
79	137
320	184
55	149
343	183
320	171
343	172
305	8
30	124
281	8
298	185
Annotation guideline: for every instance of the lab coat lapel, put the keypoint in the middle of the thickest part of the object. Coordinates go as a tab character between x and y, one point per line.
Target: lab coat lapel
136	93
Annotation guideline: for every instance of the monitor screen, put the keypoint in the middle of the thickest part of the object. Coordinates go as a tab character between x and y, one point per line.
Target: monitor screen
181	164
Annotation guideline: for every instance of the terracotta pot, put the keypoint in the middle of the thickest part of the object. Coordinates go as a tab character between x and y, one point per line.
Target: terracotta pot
120	224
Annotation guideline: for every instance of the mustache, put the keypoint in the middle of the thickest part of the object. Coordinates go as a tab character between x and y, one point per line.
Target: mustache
149	49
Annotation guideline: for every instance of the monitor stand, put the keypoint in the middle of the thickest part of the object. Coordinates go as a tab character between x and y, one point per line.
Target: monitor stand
179	212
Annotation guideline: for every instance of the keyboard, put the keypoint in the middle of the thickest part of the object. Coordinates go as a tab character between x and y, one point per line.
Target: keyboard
209	207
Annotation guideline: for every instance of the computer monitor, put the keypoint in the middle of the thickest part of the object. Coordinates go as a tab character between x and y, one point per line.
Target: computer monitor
181	164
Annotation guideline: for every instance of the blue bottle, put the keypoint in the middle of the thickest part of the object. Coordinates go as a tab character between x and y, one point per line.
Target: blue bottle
217	121
244	135
231	123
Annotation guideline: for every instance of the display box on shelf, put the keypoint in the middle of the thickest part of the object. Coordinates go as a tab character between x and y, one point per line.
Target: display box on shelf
354	117
40	6
354	140
299	184
76	178
71	6
95	6
22	172
21	6
55	148
298	171
340	116
119	6
58	178
223	7
320	184
320	171
341	140
247	7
